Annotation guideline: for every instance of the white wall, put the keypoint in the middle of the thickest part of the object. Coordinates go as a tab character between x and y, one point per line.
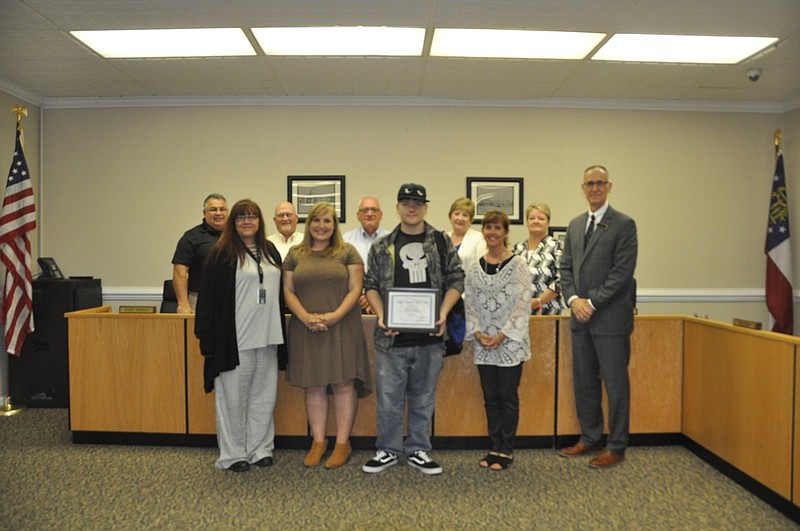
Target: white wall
121	185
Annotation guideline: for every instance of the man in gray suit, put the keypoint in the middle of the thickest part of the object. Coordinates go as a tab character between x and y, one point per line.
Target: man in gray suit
597	280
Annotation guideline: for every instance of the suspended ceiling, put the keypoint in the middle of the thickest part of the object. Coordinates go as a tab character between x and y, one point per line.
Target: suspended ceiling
41	61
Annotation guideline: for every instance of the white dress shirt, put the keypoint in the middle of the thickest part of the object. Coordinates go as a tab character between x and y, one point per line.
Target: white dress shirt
362	241
284	244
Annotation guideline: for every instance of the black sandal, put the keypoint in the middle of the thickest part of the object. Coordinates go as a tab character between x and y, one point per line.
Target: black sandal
502	461
490	459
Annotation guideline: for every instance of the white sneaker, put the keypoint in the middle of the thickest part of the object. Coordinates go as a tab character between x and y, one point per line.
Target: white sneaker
380	462
423	463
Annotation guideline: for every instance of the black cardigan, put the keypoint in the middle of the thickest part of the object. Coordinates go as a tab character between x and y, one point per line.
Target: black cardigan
215	318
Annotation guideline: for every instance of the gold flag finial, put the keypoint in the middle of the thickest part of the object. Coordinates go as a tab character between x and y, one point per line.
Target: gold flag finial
778	134
20	111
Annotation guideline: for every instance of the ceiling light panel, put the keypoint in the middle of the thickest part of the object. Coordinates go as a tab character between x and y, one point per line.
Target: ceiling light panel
513	44
341	41
681	48
198	42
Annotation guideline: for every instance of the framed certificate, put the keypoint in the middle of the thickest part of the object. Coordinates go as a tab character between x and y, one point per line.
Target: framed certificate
411	309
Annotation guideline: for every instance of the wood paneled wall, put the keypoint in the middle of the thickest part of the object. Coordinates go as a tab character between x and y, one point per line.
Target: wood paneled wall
729	389
127	373
656	372
153	346
738	399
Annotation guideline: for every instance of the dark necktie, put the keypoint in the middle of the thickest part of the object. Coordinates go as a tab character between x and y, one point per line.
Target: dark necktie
589	233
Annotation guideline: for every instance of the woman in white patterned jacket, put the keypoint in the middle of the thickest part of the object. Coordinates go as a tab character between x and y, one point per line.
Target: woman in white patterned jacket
497	298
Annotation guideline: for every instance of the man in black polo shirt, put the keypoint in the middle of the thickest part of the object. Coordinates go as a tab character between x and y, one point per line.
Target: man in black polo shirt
192	250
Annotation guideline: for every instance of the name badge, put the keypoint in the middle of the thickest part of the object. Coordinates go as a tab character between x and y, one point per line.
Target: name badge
262	296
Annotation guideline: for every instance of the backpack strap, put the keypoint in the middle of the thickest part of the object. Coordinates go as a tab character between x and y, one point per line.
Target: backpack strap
440	245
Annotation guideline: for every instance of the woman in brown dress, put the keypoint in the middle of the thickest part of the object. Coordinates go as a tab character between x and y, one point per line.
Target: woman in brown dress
327	350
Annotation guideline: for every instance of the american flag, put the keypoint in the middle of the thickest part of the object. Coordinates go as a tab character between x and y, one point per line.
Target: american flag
779	255
17	219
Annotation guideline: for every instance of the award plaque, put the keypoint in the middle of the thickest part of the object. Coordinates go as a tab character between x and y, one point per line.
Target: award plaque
412	309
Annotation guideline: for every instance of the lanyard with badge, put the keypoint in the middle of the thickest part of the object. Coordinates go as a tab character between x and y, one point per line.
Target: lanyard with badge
262	293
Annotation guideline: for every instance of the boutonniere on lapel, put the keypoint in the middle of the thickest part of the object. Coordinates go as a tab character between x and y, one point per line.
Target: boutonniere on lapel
602	225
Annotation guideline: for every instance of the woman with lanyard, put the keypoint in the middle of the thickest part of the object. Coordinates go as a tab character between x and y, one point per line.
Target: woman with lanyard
322	280
239	322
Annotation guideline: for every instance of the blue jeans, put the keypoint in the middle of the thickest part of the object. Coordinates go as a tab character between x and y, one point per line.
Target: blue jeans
406	374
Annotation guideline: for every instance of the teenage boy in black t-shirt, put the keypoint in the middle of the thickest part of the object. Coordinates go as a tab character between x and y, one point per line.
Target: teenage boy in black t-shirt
407	365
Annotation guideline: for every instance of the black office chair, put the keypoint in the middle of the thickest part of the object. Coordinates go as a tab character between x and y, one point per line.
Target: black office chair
169	301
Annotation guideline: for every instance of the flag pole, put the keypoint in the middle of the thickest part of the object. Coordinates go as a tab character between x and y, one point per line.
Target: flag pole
22	110
8	409
777	137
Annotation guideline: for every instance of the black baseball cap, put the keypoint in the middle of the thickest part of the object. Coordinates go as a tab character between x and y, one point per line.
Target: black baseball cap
412	191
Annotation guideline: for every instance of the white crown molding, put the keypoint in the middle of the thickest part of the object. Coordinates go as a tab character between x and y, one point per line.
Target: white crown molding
19	92
702	295
792	105
649	105
132	294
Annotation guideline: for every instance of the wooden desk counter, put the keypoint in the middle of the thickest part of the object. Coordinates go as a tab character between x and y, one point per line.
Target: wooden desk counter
126	372
460	410
144	373
290	411
739	399
730	389
656	374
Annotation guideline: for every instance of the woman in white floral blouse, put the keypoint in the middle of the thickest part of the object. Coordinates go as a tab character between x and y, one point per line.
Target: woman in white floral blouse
542	252
497	294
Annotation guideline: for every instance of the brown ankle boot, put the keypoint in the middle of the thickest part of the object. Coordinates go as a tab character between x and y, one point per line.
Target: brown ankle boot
341	453
314	455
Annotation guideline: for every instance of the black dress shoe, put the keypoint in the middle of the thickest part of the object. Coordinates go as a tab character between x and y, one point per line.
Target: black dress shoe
264	461
239	466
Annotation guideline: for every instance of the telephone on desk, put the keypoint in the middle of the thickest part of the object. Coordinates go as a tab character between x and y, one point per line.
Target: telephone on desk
50	268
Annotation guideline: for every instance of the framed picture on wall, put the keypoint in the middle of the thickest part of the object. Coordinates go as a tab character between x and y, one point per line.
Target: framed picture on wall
496	193
307	190
559	233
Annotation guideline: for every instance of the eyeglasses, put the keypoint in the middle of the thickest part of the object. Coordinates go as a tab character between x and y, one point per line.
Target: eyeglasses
248	217
284	215
217	209
592	184
369	210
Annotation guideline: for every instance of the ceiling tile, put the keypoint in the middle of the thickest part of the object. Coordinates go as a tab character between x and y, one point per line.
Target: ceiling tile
38	55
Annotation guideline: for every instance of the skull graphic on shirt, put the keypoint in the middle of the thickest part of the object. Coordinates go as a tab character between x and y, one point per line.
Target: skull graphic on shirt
412	256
